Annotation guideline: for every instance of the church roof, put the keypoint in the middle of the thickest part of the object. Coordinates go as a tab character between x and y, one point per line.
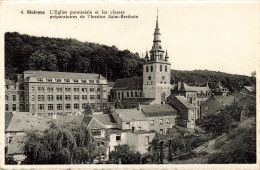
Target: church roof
155	110
135	83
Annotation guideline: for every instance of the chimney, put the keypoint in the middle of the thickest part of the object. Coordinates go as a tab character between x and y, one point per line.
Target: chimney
179	85
139	107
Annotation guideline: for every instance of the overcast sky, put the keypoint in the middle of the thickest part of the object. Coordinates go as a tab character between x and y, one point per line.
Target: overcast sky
219	37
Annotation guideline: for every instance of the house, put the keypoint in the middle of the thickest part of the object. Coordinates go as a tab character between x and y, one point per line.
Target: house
220	90
187	112
161	117
248	91
216	103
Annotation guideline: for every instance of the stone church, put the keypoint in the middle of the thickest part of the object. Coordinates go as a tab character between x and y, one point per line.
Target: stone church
154	87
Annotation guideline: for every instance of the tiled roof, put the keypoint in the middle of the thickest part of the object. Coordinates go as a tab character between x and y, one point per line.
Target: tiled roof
249	88
8	117
105	119
92	122
212	105
195	88
9	82
65	75
144	101
155	110
226	100
128	115
86	120
185	102
135	83
23	121
69	119
16	146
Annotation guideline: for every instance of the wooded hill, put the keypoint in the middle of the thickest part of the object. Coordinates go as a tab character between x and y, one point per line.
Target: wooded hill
25	52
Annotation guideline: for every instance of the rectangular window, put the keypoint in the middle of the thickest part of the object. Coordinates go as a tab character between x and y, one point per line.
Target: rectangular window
14	97
98	89
21	107
6	97
118	137
132	94
32	88
167	121
59	89
40	97
98	97
49	79
76	97
76	106
146	140
97	81
91	81
67	80
40	106
92	105
67	89
49	89
40	89
14	107
84	105
76	89
84	89
33	98
59	106
98	106
92	97
50	97
83	81
50	106
76	80
151	122
161	121
58	80
67	106
127	94
84	97
135	94
58	97
140	94
39	79
6	107
91	89
67	97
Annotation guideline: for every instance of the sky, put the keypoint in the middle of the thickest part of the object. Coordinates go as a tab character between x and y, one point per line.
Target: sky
213	36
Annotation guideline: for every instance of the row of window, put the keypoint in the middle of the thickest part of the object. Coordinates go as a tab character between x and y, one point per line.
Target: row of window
66	89
120	95
69	106
68	80
161	68
167	121
66	97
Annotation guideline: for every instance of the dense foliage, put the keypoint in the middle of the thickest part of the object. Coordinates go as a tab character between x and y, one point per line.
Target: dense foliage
24	52
65	144
124	154
231	81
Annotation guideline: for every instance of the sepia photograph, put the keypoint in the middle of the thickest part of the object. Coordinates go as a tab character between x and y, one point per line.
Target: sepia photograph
126	83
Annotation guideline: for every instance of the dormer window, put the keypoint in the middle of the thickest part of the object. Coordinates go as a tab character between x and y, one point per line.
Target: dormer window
83	81
39	79
58	80
49	79
67	80
75	80
91	81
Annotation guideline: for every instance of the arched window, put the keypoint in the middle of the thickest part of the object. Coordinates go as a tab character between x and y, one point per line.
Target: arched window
160	67
151	68
149	77
146	68
165	68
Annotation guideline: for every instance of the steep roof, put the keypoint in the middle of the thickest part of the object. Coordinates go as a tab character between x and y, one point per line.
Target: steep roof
155	110
92	122
226	100
135	83
16	146
128	115
66	75
105	119
23	121
249	88
185	102
8	117
69	119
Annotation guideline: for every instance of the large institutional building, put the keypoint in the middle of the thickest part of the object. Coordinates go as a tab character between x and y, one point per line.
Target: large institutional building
154	86
48	93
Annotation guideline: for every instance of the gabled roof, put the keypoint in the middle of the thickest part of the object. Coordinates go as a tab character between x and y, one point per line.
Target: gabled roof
156	110
105	119
8	117
135	83
92	122
22	121
188	88
249	88
69	119
185	102
128	115
65	75
226	100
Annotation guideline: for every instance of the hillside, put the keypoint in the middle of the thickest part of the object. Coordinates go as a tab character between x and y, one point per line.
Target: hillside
25	52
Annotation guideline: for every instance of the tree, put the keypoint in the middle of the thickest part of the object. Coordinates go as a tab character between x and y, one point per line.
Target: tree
119	105
126	154
60	144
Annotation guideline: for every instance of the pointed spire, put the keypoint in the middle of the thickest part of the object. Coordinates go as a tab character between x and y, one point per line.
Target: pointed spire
146	56
166	56
157	25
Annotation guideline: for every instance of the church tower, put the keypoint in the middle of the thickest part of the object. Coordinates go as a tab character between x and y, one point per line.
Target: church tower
156	71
